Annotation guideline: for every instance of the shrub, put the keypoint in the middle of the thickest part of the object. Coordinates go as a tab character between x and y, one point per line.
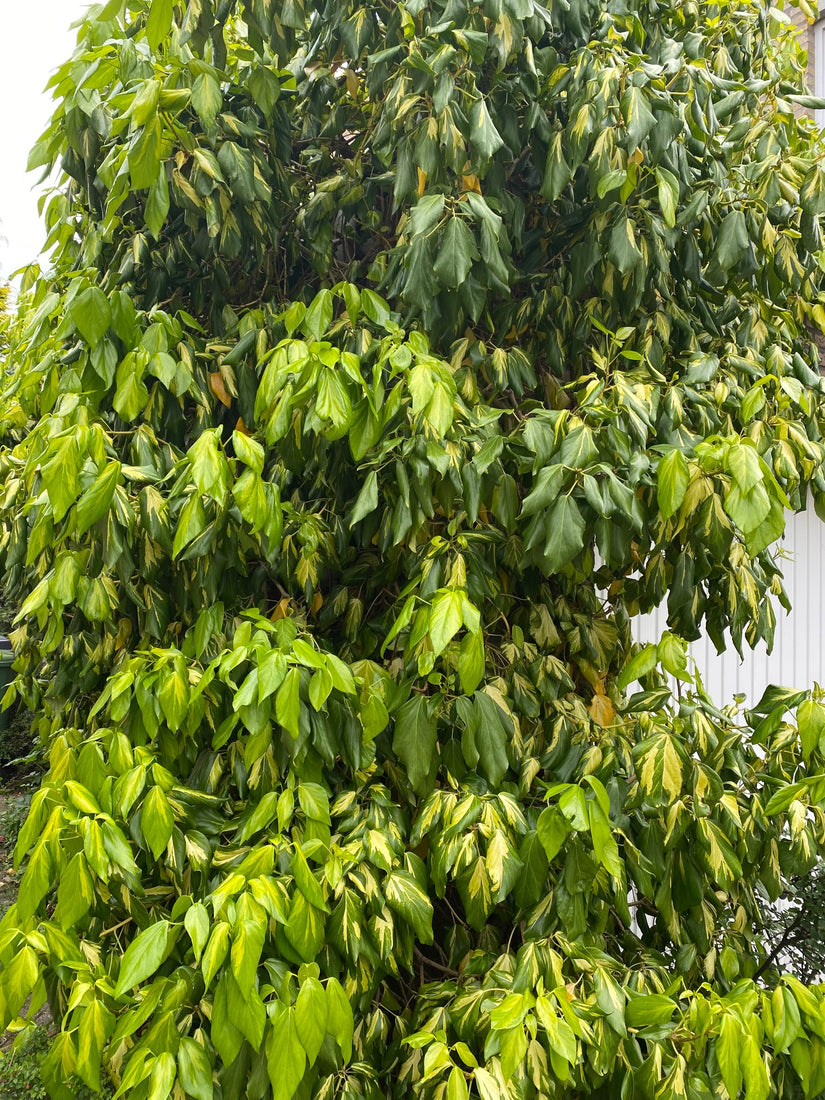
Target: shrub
394	357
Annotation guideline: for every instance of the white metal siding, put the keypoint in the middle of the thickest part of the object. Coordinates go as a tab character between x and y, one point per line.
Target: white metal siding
817	78
798	656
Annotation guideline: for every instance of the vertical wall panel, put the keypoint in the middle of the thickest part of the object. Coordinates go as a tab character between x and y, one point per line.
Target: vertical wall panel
798	656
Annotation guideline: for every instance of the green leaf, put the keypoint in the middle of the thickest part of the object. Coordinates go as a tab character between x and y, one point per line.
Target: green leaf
787	1023
311	1017
157	204
545	491
749	508
610	999
638	117
668	189
210	470
249	492
320	687
622	248
493	732
216	950
93	599
144	105
75	893
61	475
732	240
406	897
532	882
91	314
488	1086
194	1069
426	214
207	99
672	477
557	172
97	499
484	137
305	927
445	618
306	881
649	1009
604	843
471	661
743	463
339	1017
672	653
156	821
272	670
162	1077
456	252
367	500
638	666
810	721
265	88
262	816
579	448
660	766
173	695
414	740
249	451
728	1047
96	1024
565	533
319	315
144	155
781	799
288	702
754	1071
509	1012
247	944
239	170
812	191
616	177
130	397
227	1038
376	308
143	956
159	22
285	1056
559	1034
196	922
456	1085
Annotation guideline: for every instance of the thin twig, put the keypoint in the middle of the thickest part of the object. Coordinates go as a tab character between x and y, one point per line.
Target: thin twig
425	961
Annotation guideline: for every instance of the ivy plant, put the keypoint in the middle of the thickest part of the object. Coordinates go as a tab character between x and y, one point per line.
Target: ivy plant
392	358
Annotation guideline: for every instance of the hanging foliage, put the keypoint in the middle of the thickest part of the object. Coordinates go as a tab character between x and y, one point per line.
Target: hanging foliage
394	356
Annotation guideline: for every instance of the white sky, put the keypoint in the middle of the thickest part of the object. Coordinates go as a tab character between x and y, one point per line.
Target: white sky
34	40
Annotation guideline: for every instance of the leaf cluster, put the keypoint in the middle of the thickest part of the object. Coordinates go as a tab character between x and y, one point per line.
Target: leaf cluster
394	357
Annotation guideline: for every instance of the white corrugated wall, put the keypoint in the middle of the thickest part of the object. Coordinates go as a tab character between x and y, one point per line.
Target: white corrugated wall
798	656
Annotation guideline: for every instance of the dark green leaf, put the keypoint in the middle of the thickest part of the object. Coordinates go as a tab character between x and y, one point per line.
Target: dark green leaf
456	252
414	740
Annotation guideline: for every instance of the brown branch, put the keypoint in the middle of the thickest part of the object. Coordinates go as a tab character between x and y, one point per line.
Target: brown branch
424	960
783	942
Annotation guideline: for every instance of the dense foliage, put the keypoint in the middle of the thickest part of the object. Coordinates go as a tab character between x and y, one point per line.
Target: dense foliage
5	319
796	932
394	357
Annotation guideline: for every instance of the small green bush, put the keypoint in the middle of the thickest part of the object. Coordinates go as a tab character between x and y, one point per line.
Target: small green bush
16	740
14	807
20	1072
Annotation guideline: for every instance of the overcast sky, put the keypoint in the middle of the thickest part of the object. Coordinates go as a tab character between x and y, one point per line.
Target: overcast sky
34	40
